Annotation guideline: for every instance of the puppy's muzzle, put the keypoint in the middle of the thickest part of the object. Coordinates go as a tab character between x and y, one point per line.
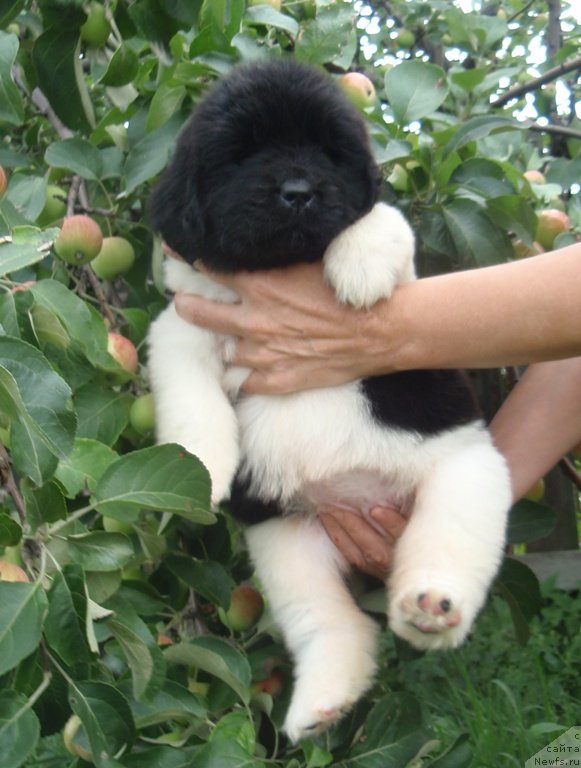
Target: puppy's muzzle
297	194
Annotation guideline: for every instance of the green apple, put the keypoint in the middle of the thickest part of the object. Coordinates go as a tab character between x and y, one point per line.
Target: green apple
96	29
142	414
112	525
115	258
246	607
79	241
404	38
550	223
55	206
12	572
359	89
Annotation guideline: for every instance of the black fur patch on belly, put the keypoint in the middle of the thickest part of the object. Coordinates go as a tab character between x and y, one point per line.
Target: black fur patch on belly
427	402
248	508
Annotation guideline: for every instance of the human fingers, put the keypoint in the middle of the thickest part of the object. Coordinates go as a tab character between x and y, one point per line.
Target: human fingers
214	315
362	545
390	519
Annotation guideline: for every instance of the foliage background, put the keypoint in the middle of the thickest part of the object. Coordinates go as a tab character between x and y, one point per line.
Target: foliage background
119	628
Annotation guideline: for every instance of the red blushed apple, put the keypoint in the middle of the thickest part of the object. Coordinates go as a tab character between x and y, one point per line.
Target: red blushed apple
123	350
3	181
536	177
12	572
79	241
273	684
246	607
522	250
550	223
359	89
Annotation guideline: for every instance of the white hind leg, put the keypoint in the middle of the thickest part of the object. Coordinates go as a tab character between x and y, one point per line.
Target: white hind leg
331	640
452	547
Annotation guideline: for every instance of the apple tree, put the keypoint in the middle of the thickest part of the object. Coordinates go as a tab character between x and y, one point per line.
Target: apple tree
129	628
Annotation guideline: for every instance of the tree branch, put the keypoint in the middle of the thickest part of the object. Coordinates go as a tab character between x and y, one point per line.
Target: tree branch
532	85
10	483
556	130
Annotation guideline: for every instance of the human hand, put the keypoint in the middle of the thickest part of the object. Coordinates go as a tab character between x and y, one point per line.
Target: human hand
292	332
366	545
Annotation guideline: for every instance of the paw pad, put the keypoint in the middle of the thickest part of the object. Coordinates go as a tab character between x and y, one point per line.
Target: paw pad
431	612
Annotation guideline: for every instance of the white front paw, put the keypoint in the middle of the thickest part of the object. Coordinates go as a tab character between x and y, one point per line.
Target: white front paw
358	279
368	259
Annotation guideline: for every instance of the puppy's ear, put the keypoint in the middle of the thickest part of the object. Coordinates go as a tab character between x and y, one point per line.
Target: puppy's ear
173	207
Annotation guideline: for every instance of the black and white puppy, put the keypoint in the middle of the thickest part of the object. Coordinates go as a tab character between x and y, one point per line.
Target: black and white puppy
275	168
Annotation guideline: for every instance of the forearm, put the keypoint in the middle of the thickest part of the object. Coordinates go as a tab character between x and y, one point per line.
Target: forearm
539	421
515	313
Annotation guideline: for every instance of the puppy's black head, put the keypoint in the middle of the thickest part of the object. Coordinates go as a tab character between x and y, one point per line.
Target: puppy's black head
273	164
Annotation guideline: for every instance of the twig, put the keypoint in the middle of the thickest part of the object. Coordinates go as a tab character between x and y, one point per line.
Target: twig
557	130
569	470
11	485
532	85
100	295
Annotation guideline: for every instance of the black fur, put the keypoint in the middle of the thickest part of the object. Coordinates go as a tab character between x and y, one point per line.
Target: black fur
265	135
264	126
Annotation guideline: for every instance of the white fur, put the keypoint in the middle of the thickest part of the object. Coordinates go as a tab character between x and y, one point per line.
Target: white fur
324	447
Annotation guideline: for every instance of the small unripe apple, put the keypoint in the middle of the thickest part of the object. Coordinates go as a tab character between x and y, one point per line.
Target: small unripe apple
123	350
551	222
115	258
246	607
142	414
535	177
404	38
522	251
3	182
112	525
537	491
12	572
79	241
96	29
55	206
359	89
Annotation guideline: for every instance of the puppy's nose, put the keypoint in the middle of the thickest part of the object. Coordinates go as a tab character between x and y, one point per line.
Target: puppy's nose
296	193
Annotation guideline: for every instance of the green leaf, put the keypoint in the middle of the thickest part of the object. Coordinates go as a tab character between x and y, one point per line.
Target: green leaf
139	647
166	101
22	611
529	521
76	155
162	477
106	717
459	755
83	467
514	214
209	579
479	127
478	241
43	505
27	246
102	412
19	729
217	657
37	401
270	17
330	37
150	155
415	90
482	177
122	68
9	9
65	625
100	551
520	588
58	64
11	108
10	531
172	702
